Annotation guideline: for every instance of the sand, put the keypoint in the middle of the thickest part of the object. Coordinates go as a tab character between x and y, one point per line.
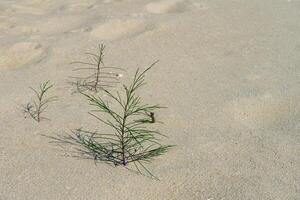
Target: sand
229	73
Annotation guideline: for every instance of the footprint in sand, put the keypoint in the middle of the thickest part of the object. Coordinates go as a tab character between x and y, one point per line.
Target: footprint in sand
77	7
27	9
200	5
32	7
5	24
110	1
117	28
20	54
166	6
265	111
55	25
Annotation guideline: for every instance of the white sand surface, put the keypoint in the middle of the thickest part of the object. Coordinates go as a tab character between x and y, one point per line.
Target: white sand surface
229	73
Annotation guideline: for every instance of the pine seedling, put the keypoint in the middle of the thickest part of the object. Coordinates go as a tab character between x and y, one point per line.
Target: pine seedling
131	141
98	76
40	103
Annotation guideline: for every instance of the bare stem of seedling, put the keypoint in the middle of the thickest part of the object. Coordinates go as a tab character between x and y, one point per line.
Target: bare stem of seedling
35	108
98	75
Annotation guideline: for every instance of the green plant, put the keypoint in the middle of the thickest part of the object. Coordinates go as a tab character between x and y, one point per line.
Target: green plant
97	75
130	141
38	105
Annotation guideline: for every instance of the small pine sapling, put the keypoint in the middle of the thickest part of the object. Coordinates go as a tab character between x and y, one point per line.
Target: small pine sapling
131	141
40	103
98	76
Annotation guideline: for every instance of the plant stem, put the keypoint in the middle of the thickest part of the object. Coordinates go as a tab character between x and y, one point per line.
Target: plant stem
97	74
100	60
124	162
39	107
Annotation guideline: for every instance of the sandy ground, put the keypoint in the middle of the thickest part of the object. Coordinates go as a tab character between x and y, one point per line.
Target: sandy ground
229	73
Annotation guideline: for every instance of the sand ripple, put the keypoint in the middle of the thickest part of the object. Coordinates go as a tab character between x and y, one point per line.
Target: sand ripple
115	29
166	6
265	111
20	54
5	24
